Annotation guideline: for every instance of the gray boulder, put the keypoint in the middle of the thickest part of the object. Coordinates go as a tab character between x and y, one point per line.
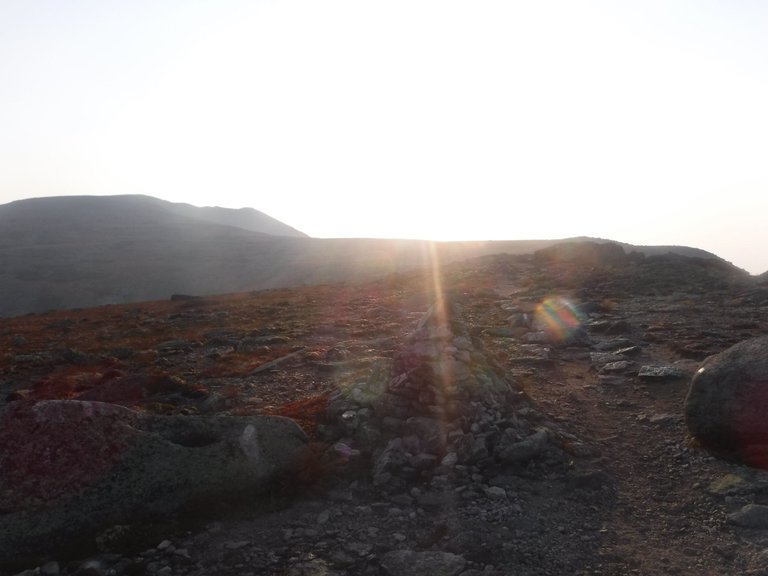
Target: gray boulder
71	469
727	402
751	516
524	450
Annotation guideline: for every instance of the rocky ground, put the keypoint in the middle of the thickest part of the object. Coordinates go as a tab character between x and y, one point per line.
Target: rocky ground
604	365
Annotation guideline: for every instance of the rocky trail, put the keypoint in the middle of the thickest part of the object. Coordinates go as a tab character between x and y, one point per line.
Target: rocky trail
571	459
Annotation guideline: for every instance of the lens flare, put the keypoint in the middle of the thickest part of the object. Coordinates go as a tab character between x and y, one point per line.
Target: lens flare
559	317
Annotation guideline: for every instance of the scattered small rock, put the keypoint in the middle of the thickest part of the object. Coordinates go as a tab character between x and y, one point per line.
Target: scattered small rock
495	493
622	366
751	516
412	563
661	373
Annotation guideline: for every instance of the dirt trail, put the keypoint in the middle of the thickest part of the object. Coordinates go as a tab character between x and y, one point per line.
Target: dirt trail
659	518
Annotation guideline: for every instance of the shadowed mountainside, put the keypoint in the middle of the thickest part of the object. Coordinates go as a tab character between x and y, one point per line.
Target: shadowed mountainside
69	252
79	214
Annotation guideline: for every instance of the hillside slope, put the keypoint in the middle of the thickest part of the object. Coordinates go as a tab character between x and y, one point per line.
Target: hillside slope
617	488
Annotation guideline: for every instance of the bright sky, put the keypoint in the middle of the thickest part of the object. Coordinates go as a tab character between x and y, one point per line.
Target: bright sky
644	122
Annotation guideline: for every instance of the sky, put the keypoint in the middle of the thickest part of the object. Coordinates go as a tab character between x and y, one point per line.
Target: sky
643	122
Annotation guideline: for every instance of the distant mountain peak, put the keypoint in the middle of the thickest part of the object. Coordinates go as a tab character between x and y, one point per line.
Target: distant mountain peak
127	208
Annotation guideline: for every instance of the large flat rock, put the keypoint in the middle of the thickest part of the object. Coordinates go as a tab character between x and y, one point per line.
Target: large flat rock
70	469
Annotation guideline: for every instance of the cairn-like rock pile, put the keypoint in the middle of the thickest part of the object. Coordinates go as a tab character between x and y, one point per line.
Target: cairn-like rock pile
440	409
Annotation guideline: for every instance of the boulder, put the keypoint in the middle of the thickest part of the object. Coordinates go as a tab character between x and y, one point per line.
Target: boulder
524	450
71	469
751	516
727	402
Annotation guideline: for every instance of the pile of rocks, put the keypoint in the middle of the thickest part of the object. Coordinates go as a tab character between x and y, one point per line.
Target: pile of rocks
442	409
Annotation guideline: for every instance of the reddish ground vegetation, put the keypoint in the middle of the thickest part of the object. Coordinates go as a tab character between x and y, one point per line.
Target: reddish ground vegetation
307	412
175	352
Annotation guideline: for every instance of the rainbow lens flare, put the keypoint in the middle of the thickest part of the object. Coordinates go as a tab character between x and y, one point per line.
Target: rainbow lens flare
559	317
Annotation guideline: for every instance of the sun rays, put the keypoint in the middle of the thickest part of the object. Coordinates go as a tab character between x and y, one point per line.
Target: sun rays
440	310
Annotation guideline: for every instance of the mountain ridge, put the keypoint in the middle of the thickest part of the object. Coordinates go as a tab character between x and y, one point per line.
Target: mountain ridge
70	252
124	209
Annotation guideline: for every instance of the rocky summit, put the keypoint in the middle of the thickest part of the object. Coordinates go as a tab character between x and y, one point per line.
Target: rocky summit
582	411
